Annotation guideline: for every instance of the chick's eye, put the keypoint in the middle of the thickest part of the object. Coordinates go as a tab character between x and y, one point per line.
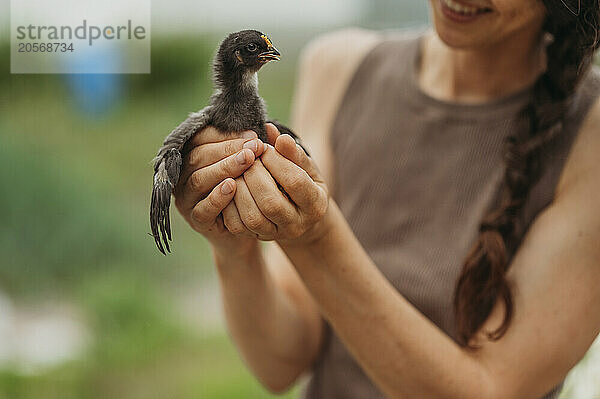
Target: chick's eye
252	47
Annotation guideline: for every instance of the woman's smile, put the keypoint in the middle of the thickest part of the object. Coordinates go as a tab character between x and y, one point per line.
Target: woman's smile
458	11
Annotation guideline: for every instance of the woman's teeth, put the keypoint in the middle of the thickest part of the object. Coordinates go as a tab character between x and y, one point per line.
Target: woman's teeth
461	9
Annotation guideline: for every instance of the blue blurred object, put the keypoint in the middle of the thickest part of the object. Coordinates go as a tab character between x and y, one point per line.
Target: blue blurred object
95	94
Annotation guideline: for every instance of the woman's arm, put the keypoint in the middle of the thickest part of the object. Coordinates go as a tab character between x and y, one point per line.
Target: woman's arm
274	324
554	275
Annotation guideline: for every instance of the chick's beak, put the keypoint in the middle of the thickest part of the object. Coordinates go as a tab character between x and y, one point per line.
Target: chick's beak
270	55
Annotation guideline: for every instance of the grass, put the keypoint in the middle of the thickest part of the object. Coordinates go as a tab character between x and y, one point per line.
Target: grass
139	351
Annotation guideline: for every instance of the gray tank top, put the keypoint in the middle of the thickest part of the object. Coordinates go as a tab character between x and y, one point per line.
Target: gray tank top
414	176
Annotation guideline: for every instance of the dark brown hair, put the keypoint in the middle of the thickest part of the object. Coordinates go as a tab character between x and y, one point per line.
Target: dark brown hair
573	26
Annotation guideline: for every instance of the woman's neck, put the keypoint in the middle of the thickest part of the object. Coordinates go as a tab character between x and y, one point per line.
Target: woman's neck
478	76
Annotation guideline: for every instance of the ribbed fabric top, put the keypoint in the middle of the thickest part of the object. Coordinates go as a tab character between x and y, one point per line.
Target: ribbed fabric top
414	177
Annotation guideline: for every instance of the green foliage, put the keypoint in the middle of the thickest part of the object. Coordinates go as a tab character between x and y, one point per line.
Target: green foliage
132	322
54	227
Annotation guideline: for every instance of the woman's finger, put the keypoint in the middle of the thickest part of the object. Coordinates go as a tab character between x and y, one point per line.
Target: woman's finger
202	181
250	214
287	146
206	211
296	182
233	221
208	154
270	200
213	135
272	133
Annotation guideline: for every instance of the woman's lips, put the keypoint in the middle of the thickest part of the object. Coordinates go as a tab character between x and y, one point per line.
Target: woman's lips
458	12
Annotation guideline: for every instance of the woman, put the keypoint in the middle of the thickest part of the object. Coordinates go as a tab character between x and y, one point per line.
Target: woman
463	259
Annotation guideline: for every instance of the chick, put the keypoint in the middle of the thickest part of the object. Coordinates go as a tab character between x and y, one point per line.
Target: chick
235	106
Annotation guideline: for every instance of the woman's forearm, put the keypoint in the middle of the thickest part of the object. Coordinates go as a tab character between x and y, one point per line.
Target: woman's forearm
264	322
403	352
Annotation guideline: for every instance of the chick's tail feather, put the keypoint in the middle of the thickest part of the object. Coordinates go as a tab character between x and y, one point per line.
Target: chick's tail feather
166	175
167	166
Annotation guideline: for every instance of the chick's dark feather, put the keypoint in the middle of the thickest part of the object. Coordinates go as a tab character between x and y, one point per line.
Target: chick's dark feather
235	106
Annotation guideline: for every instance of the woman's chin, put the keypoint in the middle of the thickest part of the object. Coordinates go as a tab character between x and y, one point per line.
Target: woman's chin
464	39
457	40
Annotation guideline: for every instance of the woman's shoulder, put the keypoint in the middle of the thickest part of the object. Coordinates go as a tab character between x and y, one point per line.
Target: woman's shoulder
333	57
342	50
583	164
340	43
328	63
594	74
589	86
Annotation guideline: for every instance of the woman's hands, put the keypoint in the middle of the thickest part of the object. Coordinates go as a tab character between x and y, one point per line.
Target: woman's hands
206	183
217	171
260	209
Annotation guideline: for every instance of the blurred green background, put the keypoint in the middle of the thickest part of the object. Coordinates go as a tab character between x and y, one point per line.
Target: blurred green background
88	308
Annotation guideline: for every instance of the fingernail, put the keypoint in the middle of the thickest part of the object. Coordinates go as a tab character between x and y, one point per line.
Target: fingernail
241	158
252	145
249	135
226	188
